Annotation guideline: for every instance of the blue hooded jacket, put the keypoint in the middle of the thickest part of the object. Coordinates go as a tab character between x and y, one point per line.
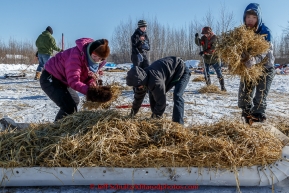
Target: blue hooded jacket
261	27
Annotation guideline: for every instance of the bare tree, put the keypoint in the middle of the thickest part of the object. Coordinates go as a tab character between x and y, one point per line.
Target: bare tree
226	20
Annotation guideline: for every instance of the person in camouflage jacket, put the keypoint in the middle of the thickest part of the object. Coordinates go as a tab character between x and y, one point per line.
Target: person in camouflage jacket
208	42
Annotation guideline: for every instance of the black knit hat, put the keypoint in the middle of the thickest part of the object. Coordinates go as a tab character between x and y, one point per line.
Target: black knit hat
100	47
142	23
49	29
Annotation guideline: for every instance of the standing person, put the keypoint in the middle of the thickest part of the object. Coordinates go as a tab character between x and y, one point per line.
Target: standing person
158	79
253	107
140	46
76	69
208	42
45	44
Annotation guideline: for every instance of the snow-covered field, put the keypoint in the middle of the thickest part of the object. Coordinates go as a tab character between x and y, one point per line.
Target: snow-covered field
23	101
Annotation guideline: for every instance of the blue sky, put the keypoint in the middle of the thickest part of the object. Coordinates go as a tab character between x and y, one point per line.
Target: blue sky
24	20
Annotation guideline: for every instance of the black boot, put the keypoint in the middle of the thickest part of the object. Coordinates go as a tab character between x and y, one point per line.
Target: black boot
222	83
258	117
246	115
208	80
132	113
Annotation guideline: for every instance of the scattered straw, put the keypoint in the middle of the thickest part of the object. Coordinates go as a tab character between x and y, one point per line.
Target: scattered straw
116	70
232	44
199	79
211	89
107	139
283	125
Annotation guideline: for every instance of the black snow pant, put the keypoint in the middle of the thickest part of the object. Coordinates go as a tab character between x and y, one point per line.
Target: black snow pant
143	64
255	104
64	97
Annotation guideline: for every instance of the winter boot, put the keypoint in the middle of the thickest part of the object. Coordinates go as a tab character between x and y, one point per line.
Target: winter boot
132	113
257	117
222	83
246	115
37	75
208	80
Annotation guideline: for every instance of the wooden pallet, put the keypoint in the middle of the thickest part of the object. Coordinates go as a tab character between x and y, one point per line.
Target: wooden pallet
15	75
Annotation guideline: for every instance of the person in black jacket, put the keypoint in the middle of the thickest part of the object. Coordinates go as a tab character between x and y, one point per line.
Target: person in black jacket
159	78
140	45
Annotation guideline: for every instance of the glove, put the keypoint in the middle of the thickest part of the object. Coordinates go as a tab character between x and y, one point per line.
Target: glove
201	53
140	57
252	61
100	94
145	46
196	35
245	57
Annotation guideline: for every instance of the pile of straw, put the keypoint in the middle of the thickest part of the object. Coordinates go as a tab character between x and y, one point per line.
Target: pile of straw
211	89
116	89
232	44
105	138
199	79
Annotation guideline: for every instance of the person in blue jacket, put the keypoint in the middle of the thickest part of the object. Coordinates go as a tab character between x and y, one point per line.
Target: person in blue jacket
254	105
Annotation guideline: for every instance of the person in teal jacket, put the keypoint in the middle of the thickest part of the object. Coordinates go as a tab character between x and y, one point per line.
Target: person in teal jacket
45	44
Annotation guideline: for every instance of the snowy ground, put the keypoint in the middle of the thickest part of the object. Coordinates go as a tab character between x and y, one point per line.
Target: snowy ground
24	101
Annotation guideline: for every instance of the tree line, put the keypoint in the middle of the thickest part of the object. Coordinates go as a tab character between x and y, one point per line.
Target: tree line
164	40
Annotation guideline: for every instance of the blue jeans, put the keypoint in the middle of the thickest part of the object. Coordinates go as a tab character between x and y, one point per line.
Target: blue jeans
217	68
42	58
178	110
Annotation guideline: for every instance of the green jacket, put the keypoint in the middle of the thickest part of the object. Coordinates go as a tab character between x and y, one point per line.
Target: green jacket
45	43
208	48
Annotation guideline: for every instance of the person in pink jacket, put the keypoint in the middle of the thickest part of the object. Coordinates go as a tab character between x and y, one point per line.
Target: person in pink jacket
76	69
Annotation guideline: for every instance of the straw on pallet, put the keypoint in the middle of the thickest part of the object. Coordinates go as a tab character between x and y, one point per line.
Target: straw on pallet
107	139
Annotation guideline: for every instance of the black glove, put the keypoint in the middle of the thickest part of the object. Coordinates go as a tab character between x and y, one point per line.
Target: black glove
196	35
201	53
245	56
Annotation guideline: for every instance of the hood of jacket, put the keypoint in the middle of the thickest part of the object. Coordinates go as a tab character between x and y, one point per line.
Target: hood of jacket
83	42
136	76
256	8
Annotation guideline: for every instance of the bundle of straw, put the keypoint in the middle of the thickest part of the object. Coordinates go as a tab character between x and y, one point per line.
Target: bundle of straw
107	139
199	79
116	89
232	44
211	89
